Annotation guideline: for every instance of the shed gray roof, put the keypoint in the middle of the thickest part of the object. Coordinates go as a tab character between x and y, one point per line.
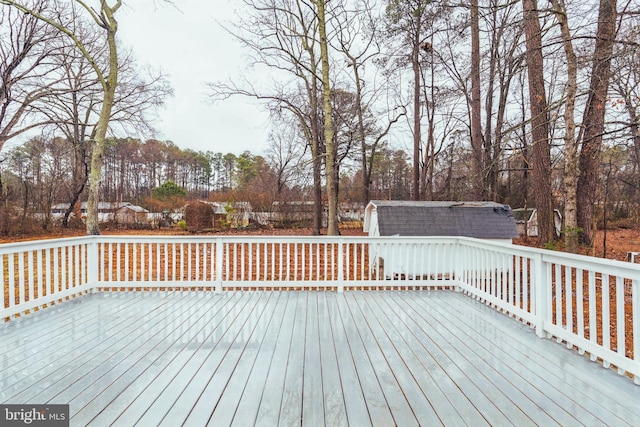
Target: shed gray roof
483	220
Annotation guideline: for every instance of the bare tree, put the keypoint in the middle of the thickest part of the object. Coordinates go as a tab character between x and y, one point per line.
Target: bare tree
408	19
505	61
29	49
625	85
105	19
74	109
285	156
331	163
283	36
356	36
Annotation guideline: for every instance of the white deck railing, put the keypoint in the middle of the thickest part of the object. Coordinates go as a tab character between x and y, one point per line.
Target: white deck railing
588	303
40	273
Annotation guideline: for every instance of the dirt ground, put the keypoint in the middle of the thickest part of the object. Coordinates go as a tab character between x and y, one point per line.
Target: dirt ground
619	242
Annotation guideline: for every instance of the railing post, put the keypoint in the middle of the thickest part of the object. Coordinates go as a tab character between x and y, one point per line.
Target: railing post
460	259
341	265
635	307
541	284
219	256
93	262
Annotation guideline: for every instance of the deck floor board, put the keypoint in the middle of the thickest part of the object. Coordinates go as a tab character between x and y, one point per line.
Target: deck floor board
135	391
545	394
586	385
450	404
495	372
302	357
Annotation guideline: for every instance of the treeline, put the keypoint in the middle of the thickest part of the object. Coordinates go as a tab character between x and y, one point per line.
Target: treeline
42	172
46	172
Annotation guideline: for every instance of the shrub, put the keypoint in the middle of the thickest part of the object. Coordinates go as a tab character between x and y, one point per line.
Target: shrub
198	216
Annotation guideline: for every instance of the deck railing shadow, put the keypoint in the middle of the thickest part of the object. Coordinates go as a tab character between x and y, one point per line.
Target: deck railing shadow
590	304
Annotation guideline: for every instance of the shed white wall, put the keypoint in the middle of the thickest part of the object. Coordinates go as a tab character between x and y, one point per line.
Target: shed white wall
414	262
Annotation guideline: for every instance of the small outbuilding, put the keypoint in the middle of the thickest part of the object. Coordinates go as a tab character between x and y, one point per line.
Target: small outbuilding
527	221
131	215
482	220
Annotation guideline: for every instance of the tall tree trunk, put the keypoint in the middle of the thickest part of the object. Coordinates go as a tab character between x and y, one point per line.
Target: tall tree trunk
330	145
109	89
417	115
313	138
541	160
570	143
317	188
593	122
366	173
316	161
476	126
428	162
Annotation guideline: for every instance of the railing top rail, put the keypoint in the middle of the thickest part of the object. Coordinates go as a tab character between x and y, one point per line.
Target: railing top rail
26	245
577	260
278	238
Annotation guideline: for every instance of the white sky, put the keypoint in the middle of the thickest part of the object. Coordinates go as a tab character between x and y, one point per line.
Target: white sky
188	45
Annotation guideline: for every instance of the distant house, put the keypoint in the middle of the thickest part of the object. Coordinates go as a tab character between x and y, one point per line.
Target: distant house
351	211
121	212
131	215
302	212
232	214
527	219
482	220
294	212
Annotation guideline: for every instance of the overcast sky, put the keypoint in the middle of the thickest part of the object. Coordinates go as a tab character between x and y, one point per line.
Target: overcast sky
190	47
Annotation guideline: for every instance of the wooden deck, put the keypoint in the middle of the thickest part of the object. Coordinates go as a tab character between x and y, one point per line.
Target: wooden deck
302	358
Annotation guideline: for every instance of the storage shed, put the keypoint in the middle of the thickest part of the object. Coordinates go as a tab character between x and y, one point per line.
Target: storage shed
131	215
482	220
